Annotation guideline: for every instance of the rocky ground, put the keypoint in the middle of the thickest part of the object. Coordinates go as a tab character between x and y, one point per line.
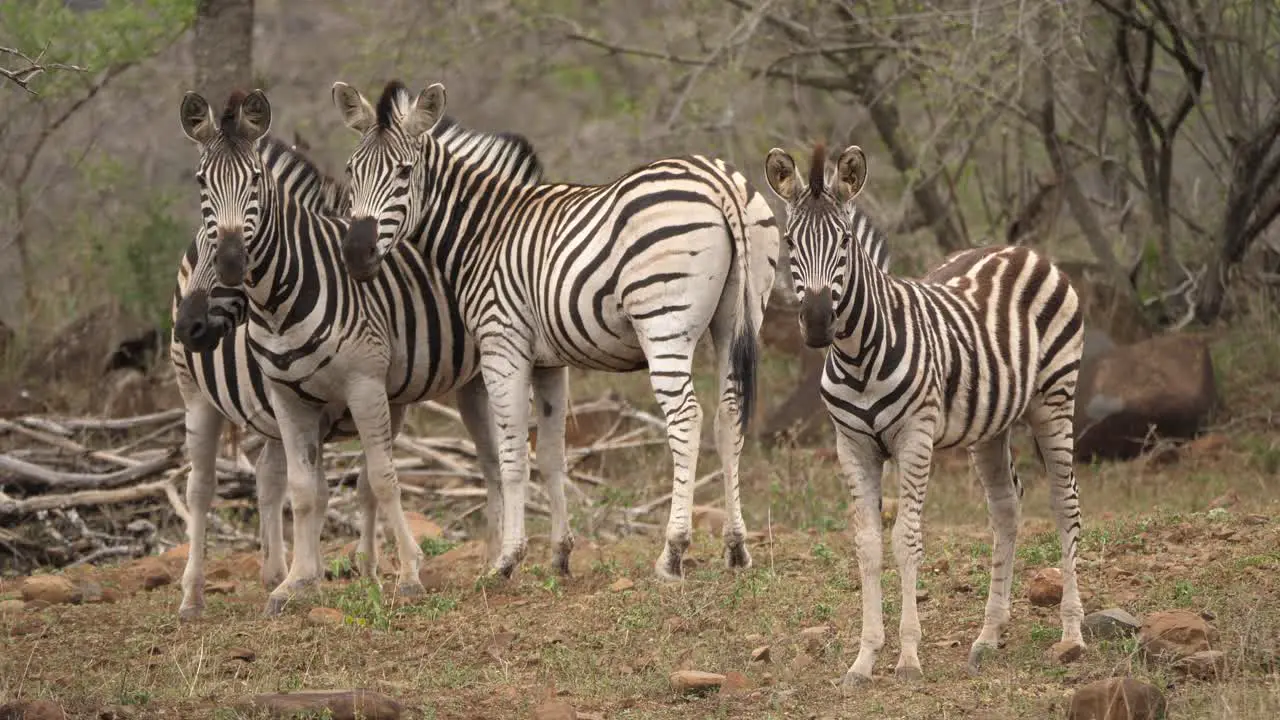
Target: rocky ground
1183	603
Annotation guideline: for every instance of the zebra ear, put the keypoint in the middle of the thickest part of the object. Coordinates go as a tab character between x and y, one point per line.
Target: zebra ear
427	110
851	173
357	113
197	118
780	171
254	119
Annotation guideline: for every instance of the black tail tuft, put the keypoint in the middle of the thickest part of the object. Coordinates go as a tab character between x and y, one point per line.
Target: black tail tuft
745	357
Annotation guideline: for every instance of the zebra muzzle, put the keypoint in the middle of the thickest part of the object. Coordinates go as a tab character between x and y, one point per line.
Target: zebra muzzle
193	326
360	248
230	258
817	315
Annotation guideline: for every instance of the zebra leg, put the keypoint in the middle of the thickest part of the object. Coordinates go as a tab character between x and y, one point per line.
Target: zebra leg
473	406
914	459
861	463
378	421
670	374
728	430
551	392
993	464
507	376
300	430
204	426
1052	426
367	545
271	481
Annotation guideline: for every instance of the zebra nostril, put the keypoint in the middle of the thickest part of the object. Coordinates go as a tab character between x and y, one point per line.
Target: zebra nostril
196	330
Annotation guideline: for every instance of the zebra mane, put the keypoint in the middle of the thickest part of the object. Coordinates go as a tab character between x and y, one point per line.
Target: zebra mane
818	170
291	160
504	155
395	100
227	123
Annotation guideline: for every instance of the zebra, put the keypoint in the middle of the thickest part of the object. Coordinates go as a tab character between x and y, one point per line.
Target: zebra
617	277
327	347
221	382
991	336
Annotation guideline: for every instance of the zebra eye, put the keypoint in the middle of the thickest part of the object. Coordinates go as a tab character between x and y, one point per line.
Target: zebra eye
404	171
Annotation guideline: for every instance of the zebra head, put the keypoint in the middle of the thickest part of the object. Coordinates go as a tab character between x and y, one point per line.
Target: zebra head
208	311
230	174
386	173
819	232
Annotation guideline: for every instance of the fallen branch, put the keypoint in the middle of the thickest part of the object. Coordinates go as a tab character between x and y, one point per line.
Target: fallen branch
84	497
31	472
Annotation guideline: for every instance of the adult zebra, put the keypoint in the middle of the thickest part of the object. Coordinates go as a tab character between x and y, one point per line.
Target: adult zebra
990	337
220	382
615	277
327	346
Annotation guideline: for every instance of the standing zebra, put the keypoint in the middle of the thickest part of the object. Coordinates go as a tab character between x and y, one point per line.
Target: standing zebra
991	336
615	277
327	346
224	381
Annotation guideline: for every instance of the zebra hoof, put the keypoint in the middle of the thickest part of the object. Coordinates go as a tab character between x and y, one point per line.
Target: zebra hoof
853	682
978	655
908	674
189	614
410	590
736	556
275	605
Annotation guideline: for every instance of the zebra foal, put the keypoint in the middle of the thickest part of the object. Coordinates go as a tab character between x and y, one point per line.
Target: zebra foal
990	337
619	277
329	348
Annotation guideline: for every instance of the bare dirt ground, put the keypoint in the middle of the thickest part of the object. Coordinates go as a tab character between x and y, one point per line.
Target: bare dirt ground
1199	535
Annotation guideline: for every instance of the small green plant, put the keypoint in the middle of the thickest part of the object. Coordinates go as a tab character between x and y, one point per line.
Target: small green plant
135	697
823	611
362	604
1043	633
340	567
1183	592
823	553
608	568
432	547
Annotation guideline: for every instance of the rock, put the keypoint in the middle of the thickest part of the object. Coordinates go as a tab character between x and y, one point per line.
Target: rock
53	589
324	616
1117	699
26	625
220	587
1066	652
760	654
710	519
816	638
177	554
1165	381
622	584
802	661
422	526
1045	588
37	605
1204	665
152	572
247	567
687	682
242	654
553	709
1110	624
735	683
32	710
1175	634
110	595
11	607
334	704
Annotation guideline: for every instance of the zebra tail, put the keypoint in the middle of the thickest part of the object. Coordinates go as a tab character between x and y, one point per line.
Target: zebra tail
744	353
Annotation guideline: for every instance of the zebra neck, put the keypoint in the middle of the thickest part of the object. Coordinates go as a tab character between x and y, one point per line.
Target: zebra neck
273	246
864	315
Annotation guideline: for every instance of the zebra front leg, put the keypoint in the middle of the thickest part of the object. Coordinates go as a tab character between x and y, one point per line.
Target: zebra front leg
300	426
993	464
551	394
1052	426
377	421
367	546
507	376
915	459
204	426
670	366
861	464
473	406
270	477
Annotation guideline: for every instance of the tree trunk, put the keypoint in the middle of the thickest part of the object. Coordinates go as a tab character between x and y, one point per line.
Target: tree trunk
223	49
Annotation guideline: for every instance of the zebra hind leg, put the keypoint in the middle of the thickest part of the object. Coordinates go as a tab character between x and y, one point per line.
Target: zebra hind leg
728	431
507	374
670	374
270	478
993	464
551	394
1054	436
204	425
